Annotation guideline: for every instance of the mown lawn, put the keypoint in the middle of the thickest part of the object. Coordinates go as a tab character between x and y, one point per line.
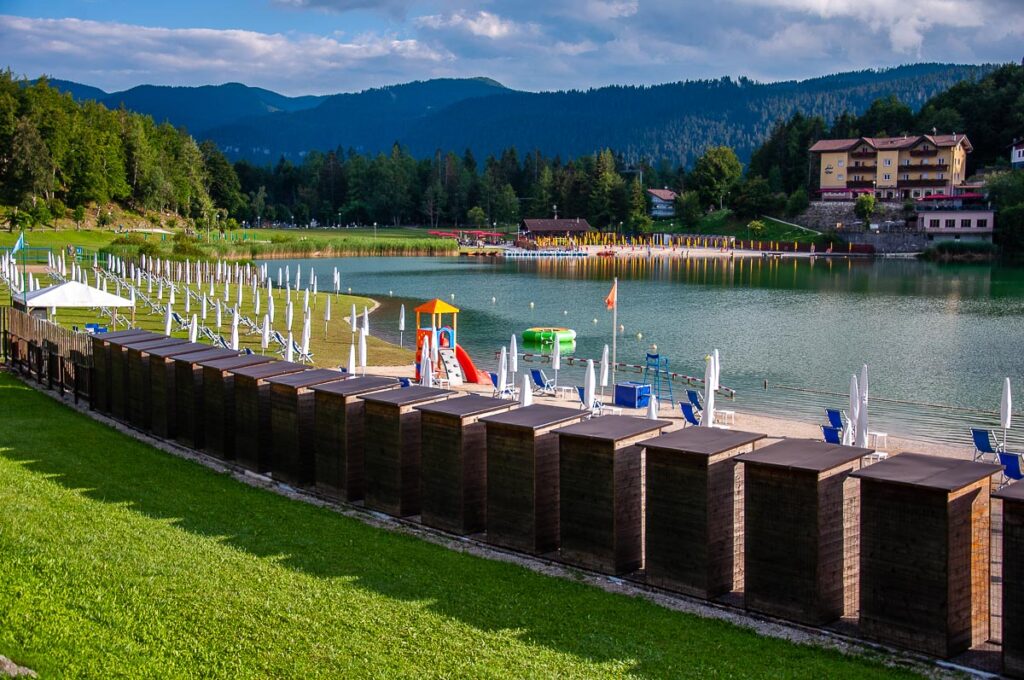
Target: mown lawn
121	561
726	223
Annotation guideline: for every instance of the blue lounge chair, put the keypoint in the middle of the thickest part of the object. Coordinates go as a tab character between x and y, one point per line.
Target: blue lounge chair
694	397
1011	463
507	393
833	435
983	445
690	415
405	382
836	418
541	383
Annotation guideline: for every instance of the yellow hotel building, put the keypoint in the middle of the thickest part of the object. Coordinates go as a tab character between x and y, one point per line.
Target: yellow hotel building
894	168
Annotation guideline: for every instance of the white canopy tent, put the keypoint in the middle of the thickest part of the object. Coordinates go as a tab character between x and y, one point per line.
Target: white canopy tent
70	294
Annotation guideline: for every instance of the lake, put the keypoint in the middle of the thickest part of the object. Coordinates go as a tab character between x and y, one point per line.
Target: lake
939	336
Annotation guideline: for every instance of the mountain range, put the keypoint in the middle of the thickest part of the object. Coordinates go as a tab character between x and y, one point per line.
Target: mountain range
674	121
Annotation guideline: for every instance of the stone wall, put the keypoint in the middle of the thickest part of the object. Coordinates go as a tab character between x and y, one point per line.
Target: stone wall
824	215
890	242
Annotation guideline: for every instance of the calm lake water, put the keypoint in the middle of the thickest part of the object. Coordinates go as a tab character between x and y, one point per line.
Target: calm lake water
938	335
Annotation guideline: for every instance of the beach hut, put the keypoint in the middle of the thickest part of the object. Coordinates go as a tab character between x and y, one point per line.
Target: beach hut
117	371
800	530
253	445
600	492
188	394
392	448
99	383
163	421
292	425
454	462
522	476
139	387
924	552
219	402
694	528
339	423
1012	498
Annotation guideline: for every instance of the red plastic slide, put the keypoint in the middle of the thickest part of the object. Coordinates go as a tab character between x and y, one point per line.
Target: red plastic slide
470	372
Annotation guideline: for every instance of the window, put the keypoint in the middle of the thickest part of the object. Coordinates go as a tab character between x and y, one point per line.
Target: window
887	162
840	162
856	178
916	193
942	160
839	176
965	224
906	161
941	175
887	177
905	176
950	224
934	224
924	175
981	224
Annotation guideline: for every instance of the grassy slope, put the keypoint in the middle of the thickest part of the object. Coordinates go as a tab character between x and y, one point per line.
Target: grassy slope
122	560
725	223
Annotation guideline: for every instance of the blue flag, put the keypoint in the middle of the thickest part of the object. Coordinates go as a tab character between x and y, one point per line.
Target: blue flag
19	244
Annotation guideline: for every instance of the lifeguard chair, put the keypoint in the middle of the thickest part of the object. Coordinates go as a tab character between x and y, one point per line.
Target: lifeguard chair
448	364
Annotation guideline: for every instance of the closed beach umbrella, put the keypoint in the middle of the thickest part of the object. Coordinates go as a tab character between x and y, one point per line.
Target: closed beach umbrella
351	359
159	291
556	359
525	393
589	384
362	352
435	346
298	277
366	321
234	330
203	307
219	318
352	317
327	310
652	408
862	412
305	339
426	377
503	371
265	339
188	301
256	304
238	302
604	369
289	314
708	419
289	350
513	357
170	296
851	422
401	319
193	329
270	308
305	299
1005	408
167	321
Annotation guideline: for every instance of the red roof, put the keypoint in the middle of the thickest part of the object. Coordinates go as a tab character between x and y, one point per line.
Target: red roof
888	143
663	194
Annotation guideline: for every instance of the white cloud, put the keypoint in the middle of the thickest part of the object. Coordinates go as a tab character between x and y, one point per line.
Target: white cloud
480	24
96	52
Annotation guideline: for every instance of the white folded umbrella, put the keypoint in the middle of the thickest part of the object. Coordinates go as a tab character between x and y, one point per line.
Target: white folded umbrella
289	351
849	436
265	338
589	384
525	393
652	408
708	417
193	329
366	321
167	321
351	359
556	359
426	374
234	330
362	352
503	372
1005	409
862	411
604	369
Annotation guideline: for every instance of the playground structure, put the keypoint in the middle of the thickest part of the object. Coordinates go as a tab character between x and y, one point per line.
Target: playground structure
453	362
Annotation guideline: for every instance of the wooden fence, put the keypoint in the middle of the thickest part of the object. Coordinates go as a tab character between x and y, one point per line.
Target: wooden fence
56	356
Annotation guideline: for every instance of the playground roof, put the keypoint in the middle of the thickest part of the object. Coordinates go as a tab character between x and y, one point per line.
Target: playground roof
437	306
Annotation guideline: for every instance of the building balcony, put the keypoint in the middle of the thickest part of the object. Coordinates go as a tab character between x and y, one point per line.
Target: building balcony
860	184
862	168
927	183
863	154
919	153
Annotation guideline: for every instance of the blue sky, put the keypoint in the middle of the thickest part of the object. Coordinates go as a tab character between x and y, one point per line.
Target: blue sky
322	46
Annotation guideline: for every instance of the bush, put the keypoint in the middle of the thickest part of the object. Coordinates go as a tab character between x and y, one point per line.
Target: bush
960	251
864	208
797	202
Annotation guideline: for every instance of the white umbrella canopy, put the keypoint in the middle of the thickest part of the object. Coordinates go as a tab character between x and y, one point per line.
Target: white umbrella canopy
435	346
167	321
426	376
234	330
265	338
556	359
502	372
851	422
589	383
401	319
305	332
270	307
188	302
604	369
220	319
862	410
708	418
327	310
652	408
193	329
256	304
289	351
351	359
366	321
525	393
1005	409
362	352
289	315
513	356
203	305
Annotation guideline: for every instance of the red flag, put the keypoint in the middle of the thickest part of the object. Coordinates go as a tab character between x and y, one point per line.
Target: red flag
612	301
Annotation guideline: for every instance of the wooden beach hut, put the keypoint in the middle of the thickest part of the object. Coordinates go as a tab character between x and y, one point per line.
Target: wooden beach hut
694	494
219	402
392	448
139	388
339	421
117	363
188	395
522	476
800	530
1013	579
253	445
99	390
161	386
292	426
454	462
924	554
601	492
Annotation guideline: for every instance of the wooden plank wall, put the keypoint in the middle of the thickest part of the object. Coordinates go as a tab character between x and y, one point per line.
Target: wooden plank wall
253	443
339	423
1013	588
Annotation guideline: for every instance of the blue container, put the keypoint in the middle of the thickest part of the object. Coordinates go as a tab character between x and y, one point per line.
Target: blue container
632	394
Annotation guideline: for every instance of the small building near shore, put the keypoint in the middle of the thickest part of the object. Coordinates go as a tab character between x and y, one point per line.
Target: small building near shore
1017	154
554	228
663	202
964	216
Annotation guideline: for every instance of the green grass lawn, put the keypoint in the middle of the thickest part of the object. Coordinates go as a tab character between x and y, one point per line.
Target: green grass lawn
725	223
119	560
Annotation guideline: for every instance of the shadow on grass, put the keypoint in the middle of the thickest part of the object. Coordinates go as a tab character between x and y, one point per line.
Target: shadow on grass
583	621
